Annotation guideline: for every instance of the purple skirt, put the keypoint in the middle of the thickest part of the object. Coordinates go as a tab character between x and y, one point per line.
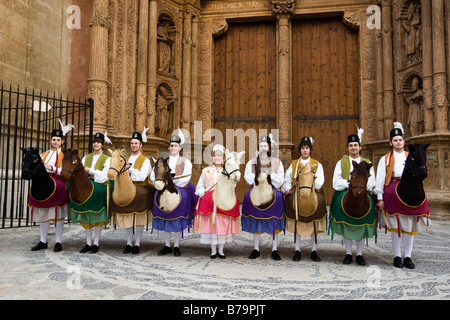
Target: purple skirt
181	217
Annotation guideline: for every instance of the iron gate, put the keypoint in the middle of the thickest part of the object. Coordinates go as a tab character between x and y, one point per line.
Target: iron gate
27	120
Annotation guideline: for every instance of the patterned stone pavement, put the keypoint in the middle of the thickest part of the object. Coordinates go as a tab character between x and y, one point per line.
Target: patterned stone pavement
110	274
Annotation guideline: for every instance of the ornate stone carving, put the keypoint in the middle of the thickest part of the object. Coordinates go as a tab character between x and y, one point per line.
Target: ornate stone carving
283	6
411	25
219	27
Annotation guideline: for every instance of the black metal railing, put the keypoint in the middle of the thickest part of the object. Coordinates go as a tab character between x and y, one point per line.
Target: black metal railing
28	117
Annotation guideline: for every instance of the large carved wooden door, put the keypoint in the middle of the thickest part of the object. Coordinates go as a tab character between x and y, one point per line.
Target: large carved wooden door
325	93
245	83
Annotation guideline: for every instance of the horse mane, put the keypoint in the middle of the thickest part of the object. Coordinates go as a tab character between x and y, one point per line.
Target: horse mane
258	169
162	163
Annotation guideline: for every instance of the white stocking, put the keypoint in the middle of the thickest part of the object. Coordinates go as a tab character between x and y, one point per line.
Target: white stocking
408	241
97	233
221	249
256	238
348	246
59	231
275	243
359	247
167	238
129	233
213	249
44	227
313	243
396	244
88	236
177	236
139	232
297	242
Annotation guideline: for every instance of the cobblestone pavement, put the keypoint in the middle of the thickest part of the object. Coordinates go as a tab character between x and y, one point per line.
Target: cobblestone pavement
110	274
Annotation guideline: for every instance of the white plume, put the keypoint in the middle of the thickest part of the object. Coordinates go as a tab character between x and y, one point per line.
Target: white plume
398	125
107	140
360	132
66	128
272	142
144	134
181	135
312	140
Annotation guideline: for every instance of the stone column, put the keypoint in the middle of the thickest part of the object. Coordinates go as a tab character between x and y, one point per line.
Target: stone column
427	67
187	71
98	63
194	84
388	75
152	65
440	101
284	79
142	65
379	85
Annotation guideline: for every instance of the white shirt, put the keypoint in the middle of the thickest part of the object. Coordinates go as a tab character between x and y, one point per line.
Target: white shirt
200	188
339	183
320	176
181	182
99	176
277	178
51	160
142	174
399	165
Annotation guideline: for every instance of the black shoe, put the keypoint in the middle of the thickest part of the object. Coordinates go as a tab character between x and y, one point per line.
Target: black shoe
164	251
297	256
176	251
213	256
408	263
348	259
136	250
87	248
221	256
275	255
128	249
94	249
39	246
398	262
315	256
255	254
58	247
360	260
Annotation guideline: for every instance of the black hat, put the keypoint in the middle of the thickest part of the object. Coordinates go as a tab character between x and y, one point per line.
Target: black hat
306	141
266	139
353	138
100	136
175	138
57	133
397	131
137	135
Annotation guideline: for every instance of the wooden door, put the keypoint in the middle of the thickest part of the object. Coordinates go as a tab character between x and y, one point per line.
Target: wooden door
325	93
245	83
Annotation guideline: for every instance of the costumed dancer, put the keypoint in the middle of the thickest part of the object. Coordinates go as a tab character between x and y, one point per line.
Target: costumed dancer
93	214
136	215
180	218
341	223
56	207
265	218
403	221
227	222
311	223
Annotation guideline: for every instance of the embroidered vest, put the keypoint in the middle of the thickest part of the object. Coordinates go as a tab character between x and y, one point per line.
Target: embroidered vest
210	178
100	162
48	154
179	167
345	166
390	162
296	168
138	165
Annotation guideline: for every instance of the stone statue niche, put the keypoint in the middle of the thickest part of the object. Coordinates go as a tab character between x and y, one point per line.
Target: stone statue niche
411	25
164	110
413	99
166	39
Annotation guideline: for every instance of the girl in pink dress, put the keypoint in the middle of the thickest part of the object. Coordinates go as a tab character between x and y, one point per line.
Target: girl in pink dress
226	222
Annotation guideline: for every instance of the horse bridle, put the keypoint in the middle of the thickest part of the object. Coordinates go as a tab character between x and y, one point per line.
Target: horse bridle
75	170
123	169
224	170
306	187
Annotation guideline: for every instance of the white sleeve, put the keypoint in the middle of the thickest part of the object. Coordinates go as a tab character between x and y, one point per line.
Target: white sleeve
339	183
102	176
200	189
249	176
380	179
277	178
372	181
320	177
142	174
287	185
